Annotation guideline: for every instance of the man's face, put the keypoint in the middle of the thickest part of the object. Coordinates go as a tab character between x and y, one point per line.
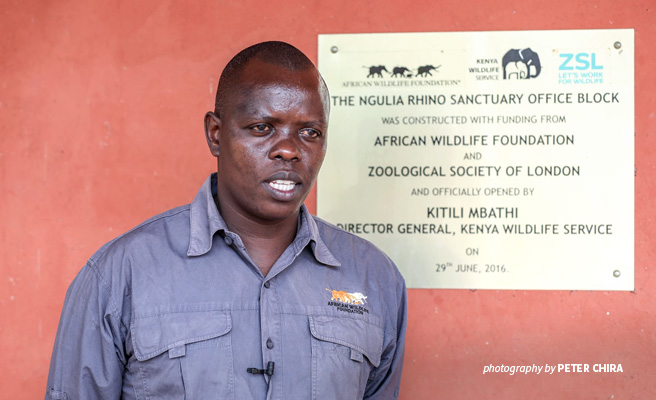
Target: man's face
270	141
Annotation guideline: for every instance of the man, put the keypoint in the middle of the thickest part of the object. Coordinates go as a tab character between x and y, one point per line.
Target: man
242	294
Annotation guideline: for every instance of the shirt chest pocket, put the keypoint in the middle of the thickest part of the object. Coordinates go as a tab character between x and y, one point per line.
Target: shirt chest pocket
344	351
186	355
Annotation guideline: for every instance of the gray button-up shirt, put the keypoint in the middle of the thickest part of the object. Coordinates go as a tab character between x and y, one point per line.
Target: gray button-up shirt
176	309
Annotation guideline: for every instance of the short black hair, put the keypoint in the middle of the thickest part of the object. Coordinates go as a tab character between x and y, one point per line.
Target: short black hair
273	52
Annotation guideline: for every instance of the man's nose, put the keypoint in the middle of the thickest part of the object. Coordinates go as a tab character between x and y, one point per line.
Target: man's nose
286	147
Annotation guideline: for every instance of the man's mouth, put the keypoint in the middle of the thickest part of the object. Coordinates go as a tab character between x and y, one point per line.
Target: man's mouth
282	185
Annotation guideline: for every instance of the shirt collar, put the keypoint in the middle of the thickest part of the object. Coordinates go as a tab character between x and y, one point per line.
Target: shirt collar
308	226
205	220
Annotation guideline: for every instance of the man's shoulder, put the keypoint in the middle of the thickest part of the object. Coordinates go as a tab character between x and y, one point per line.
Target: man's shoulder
342	242
171	224
329	229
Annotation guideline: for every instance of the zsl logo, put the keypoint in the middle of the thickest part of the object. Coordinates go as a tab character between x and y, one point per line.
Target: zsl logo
581	61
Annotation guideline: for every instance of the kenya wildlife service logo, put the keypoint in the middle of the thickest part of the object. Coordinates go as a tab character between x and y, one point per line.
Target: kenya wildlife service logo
348	302
521	64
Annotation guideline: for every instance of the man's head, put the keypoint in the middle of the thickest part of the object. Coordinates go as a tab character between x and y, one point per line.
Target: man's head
268	131
276	53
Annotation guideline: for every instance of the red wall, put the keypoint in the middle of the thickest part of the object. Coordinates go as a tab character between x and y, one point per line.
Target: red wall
101	106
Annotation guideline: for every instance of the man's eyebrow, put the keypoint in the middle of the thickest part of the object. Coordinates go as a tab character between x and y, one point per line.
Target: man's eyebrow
257	113
315	122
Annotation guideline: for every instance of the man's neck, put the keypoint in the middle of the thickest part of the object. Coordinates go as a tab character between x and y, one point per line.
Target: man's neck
265	241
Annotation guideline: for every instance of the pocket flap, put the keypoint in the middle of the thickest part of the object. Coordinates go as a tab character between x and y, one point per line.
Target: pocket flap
154	335
356	334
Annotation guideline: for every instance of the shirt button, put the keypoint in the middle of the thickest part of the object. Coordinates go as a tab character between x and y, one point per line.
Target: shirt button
267	284
228	240
269	343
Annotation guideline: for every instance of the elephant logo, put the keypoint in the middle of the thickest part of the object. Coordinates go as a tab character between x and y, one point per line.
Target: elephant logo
521	64
402	72
376	71
426	70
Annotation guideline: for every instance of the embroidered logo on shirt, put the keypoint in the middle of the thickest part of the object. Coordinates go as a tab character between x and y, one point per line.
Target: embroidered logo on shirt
348	302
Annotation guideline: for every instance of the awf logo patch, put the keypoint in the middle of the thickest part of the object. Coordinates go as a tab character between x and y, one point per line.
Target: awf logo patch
348	302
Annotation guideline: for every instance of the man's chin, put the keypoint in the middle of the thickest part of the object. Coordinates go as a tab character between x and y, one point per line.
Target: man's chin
280	211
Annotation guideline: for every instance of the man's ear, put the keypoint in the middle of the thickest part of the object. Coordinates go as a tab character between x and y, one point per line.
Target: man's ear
212	130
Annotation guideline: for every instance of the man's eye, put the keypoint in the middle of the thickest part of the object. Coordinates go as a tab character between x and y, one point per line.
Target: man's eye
260	128
309	132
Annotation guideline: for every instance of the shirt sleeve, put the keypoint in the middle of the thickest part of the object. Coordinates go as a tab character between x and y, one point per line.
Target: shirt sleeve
386	380
88	355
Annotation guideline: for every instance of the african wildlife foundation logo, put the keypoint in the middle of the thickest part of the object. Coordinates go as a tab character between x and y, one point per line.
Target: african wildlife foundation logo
348	302
423	71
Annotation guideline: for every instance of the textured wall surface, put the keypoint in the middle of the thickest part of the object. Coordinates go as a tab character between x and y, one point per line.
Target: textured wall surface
101	106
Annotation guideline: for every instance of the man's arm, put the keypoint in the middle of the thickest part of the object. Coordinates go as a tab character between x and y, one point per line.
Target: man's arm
386	380
88	356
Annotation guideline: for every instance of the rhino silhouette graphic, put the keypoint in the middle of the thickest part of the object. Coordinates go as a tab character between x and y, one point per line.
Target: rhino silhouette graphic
376	71
401	71
348	298
426	70
523	64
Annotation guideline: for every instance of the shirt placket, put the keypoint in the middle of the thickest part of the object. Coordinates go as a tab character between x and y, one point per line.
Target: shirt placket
270	335
271	317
